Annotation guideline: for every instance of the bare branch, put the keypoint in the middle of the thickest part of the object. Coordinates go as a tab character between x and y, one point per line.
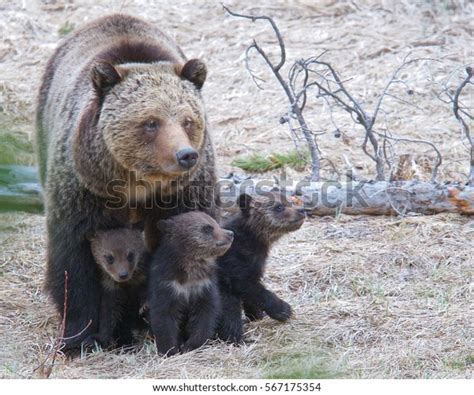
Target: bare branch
295	108
256	79
464	126
275	29
59	342
439	160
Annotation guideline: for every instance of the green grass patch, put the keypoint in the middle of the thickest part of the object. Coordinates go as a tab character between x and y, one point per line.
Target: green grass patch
461	364
16	148
298	366
257	163
66	28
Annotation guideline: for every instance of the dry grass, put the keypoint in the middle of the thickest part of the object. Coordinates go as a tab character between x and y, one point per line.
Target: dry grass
374	297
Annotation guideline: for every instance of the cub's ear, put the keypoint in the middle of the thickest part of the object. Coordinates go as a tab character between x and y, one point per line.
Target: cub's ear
105	75
90	235
195	70
162	225
244	201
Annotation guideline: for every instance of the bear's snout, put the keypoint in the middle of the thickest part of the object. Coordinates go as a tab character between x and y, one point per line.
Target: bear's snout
187	157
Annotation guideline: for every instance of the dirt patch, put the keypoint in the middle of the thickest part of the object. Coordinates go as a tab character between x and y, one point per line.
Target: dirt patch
374	297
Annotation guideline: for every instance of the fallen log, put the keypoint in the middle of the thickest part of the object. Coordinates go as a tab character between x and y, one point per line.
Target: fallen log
20	191
367	197
384	198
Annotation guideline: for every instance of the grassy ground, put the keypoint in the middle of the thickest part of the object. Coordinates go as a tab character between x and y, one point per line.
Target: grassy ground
374	296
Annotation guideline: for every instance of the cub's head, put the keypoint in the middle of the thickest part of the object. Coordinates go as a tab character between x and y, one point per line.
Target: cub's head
196	234
118	252
270	215
152	116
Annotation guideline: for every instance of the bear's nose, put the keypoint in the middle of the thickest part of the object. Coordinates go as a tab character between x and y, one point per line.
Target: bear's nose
228	238
187	157
229	235
123	275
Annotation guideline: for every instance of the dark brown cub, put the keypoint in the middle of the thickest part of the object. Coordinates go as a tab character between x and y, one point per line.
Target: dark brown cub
121	255
262	220
183	295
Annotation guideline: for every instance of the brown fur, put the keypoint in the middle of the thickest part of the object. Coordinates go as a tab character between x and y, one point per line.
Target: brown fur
119	251
262	220
182	289
127	249
102	89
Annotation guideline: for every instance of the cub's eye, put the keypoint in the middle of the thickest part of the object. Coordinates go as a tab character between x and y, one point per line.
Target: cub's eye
279	208
151	125
109	259
188	123
130	257
207	229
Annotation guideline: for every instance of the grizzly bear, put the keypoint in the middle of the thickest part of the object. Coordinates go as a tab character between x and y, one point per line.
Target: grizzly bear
121	130
183	295
122	258
261	221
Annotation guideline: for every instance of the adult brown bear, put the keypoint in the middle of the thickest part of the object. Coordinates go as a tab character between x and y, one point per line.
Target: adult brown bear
121	129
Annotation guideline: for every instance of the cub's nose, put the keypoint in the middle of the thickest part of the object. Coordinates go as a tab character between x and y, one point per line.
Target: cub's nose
123	275
228	238
187	157
229	235
301	211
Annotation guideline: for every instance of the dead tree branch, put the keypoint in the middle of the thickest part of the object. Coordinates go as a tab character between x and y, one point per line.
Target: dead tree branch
457	110
439	157
295	110
332	89
46	367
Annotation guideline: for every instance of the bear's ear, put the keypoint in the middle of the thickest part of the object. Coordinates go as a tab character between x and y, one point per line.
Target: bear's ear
162	225
91	234
105	75
244	201
195	71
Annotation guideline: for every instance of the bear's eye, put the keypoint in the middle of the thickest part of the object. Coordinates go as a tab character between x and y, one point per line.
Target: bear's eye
188	123
109	259
207	229
151	125
279	208
130	257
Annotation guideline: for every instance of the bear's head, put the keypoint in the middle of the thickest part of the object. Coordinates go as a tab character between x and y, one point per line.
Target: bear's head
270	214
150	116
118	252
195	235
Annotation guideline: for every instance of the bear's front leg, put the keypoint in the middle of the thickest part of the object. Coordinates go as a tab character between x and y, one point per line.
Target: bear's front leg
164	319
252	312
230	326
69	253
111	305
202	321
256	294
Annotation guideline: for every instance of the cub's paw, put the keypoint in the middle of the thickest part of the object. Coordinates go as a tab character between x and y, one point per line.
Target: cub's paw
253	313
231	334
91	342
279	310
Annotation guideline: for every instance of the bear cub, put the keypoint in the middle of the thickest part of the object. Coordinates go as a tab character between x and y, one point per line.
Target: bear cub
183	295
121	255
261	221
